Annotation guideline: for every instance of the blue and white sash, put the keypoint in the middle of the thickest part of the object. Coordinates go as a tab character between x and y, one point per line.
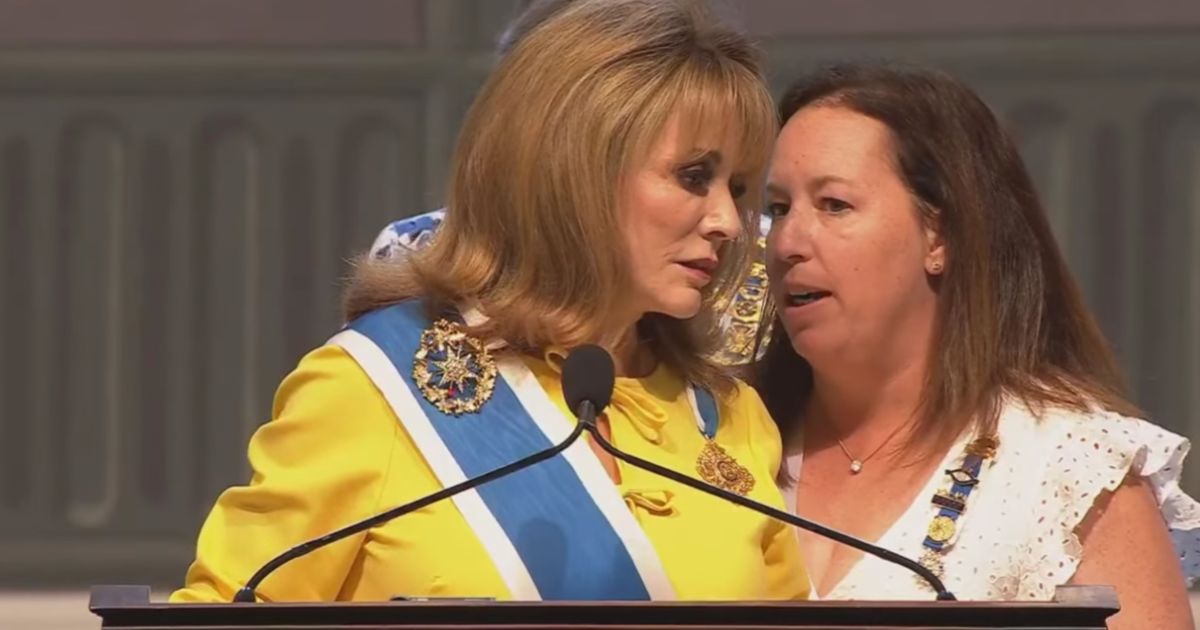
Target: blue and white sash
559	530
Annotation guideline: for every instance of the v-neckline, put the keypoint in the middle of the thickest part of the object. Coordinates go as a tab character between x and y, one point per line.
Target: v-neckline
794	464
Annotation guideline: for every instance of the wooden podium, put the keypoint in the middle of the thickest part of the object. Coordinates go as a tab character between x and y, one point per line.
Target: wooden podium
129	607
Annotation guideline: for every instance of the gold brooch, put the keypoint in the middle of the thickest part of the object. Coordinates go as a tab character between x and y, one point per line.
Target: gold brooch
932	561
984	447
941	529
745	312
953	500
454	371
719	469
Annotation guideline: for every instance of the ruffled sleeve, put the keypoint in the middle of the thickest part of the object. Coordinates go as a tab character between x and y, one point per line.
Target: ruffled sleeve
1089	454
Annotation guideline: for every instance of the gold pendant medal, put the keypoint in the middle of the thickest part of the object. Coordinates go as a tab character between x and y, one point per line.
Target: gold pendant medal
720	469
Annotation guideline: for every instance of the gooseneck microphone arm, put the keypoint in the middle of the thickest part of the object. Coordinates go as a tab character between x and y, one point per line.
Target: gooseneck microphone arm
791	519
588	379
246	593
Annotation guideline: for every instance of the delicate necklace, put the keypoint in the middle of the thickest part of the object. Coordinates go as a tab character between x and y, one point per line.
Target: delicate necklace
856	464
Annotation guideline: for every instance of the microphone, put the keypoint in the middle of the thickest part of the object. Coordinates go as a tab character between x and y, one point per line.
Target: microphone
590	374
593	356
588	377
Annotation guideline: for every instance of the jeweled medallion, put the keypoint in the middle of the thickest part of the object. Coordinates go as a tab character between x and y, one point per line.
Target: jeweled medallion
453	370
720	469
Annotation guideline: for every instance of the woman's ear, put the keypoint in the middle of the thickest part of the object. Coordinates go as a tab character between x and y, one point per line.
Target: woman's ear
935	250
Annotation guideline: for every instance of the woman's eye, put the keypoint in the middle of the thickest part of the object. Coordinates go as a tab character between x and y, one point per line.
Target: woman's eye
777	209
737	189
696	179
834	205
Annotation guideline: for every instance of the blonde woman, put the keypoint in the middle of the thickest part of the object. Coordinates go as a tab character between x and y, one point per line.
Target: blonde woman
600	193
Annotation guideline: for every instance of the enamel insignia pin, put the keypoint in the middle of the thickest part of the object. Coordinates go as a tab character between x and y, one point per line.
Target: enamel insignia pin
453	370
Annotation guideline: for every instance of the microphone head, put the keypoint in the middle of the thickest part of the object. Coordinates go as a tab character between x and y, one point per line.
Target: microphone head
588	374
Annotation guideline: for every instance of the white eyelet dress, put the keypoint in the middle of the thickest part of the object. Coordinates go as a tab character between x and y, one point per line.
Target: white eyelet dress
1015	540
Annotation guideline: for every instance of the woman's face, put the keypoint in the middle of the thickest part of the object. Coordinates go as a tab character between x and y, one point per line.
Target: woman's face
848	255
676	208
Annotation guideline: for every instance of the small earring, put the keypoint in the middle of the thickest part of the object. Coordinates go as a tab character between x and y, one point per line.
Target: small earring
935	268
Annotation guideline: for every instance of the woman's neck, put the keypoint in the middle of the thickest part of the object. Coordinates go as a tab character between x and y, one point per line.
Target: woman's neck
631	357
872	389
865	403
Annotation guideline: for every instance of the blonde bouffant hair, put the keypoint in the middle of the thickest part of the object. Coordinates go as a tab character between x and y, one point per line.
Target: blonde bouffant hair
531	235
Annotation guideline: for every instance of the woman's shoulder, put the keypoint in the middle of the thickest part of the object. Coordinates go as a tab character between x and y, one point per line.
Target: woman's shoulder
329	366
1090	437
742	403
1089	450
328	391
744	415
1061	461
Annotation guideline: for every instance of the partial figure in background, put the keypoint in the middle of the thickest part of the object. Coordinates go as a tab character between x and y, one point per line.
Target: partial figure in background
414	232
601	192
939	384
406	235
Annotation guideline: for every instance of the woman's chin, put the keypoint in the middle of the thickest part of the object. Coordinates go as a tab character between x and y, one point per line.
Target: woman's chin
810	345
679	303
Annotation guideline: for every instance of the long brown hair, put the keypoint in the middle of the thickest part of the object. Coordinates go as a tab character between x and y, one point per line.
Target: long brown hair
1010	319
531	233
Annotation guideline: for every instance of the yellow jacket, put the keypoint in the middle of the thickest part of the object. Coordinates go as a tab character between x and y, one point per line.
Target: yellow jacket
334	453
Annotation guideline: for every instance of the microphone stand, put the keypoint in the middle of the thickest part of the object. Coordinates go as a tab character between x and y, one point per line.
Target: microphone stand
791	519
587	422
246	593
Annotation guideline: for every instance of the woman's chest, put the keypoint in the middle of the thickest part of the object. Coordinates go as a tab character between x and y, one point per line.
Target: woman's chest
706	549
869	506
994	549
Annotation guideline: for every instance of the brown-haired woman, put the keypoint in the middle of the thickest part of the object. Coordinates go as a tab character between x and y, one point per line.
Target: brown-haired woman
599	193
938	381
